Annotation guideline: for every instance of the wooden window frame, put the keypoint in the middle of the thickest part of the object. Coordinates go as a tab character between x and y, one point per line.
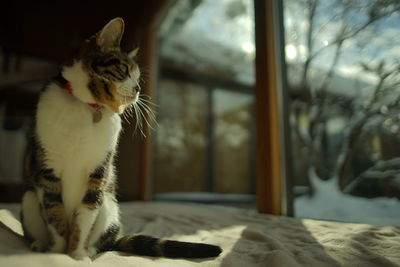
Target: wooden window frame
272	148
272	155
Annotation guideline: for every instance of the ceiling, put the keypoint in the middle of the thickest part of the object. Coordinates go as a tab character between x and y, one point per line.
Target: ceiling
54	29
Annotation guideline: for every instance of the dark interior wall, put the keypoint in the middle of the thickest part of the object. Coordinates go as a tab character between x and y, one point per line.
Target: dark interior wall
54	29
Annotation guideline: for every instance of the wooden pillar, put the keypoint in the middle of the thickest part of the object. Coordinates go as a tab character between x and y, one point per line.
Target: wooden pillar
149	60
268	142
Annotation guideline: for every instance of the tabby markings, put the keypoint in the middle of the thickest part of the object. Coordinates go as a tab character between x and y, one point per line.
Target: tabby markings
74	237
108	239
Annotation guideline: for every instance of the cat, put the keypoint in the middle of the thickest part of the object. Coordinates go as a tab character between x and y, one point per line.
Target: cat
70	203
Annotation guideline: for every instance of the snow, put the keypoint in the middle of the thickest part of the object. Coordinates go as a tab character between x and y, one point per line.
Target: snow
329	203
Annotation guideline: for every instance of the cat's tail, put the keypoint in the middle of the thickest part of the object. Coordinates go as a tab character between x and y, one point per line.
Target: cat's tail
155	247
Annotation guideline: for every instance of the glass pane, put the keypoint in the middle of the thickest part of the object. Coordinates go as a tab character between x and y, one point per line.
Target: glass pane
205	138
343	66
181	144
233	148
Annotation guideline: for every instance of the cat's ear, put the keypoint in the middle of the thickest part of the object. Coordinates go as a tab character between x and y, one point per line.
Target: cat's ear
133	53
111	34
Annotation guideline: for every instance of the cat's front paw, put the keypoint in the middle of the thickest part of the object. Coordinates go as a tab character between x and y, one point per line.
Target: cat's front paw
79	254
92	251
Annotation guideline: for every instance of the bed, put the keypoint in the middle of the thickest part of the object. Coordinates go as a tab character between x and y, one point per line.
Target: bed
247	239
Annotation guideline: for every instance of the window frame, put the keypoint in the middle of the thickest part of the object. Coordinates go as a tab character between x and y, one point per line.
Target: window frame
272	158
272	170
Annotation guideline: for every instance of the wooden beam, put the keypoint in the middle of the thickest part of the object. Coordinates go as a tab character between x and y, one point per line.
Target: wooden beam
268	162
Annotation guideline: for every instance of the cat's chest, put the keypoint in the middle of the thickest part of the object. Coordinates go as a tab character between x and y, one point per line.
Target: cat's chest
68	134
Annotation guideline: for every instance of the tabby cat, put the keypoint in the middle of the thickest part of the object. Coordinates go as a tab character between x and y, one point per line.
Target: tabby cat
70	204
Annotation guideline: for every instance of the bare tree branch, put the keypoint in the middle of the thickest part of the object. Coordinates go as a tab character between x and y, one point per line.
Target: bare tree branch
310	109
323	92
344	36
312	7
343	162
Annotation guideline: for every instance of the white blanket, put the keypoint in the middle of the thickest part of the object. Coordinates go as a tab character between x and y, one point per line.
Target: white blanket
247	238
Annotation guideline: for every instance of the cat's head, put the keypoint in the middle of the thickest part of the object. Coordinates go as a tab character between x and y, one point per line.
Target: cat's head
102	72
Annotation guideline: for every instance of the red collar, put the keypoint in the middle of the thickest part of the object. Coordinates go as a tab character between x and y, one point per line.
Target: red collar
70	91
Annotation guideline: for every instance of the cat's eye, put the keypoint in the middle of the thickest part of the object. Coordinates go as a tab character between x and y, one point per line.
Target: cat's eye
124	68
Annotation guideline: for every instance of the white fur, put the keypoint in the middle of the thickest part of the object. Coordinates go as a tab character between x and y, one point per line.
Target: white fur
30	202
75	146
85	218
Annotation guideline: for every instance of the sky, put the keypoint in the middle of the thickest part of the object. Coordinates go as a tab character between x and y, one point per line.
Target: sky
378	41
212	36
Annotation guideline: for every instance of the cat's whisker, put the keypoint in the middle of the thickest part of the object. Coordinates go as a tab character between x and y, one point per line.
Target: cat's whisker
128	110
123	115
150	110
149	103
150	114
146	97
146	106
133	110
144	117
126	117
133	114
126	113
139	119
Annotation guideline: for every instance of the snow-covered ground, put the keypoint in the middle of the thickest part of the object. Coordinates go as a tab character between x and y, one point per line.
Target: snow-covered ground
329	203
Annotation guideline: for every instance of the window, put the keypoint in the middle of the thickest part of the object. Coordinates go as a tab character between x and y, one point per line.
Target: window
343	66
204	142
